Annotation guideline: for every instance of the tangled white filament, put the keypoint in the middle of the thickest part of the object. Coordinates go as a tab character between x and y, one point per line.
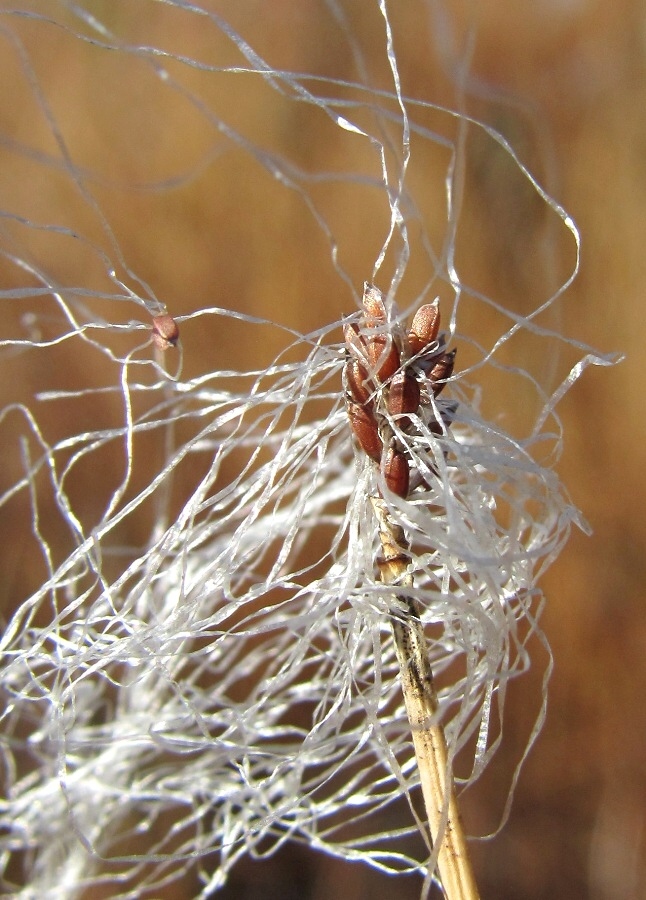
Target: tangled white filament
231	683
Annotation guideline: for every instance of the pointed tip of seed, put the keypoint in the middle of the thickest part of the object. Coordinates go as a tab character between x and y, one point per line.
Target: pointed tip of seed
373	304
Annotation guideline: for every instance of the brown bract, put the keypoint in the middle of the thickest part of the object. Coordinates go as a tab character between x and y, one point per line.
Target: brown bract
442	370
383	356
364	427
403	394
165	332
373	305
358	382
396	472
424	327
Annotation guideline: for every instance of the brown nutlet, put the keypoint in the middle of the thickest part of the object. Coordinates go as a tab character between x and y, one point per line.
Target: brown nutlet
396	472
403	394
424	327
373	305
354	341
358	382
165	332
442	370
383	356
364	428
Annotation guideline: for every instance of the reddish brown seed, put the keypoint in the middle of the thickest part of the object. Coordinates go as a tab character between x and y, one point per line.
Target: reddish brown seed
424	327
364	428
354	341
396	472
403	394
383	356
165	332
373	305
358	382
442	370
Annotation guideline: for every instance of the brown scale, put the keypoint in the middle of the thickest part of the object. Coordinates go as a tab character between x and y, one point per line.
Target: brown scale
396	471
364	427
358	381
383	356
424	328
442	370
374	375
403	393
165	332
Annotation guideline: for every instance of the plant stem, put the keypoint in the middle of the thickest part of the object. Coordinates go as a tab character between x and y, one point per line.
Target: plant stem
420	698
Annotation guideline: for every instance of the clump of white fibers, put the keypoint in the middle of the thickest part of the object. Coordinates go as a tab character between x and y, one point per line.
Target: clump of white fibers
229	682
231	687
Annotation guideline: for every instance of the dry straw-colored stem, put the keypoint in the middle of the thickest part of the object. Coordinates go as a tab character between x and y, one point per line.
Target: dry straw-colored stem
441	804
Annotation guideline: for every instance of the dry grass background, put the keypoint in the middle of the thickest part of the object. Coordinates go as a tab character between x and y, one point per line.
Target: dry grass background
578	825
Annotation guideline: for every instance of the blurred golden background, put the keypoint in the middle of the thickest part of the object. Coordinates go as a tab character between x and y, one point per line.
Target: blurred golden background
565	83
